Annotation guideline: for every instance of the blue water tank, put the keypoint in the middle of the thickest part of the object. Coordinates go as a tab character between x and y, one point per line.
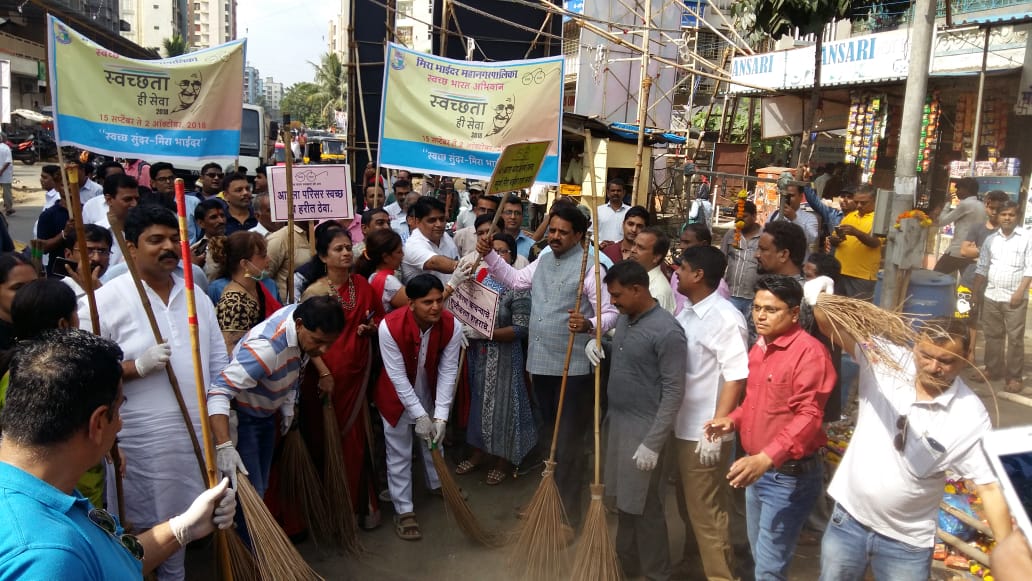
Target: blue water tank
931	295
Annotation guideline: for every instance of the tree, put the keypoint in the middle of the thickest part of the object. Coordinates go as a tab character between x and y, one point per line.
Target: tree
174	46
298	101
776	18
331	80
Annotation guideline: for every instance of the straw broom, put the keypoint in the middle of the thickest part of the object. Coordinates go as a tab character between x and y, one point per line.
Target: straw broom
343	524
239	557
277	558
596	559
543	535
868	325
458	507
301	486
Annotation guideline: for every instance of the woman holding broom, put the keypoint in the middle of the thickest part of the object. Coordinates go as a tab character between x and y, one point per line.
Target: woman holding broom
501	425
343	371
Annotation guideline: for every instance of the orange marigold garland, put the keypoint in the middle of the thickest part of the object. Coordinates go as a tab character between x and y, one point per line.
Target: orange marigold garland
915	214
740	217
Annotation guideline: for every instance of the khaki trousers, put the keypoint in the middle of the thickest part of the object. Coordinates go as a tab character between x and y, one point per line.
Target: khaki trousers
707	497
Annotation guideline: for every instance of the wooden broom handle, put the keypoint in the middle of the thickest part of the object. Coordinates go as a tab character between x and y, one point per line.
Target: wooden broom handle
598	307
116	230
72	187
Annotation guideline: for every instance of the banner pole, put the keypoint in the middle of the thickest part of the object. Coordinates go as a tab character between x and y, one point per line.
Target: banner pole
289	158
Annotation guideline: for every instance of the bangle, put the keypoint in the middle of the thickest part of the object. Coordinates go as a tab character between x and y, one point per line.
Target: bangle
322	375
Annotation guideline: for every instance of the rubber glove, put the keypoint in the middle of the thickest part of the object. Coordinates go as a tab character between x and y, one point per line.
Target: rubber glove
472	334
229	462
213	509
463	337
438	430
287	419
155	357
709	452
645	459
424	427
462	272
813	289
594	352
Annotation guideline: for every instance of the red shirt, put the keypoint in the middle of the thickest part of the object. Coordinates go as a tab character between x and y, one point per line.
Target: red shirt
790	379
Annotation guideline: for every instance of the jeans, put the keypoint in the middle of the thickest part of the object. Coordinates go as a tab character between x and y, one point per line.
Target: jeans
256	441
776	506
743	305
848	547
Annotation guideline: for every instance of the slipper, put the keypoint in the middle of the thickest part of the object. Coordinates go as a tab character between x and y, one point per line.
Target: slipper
495	477
9	212
1014	386
406	527
465	467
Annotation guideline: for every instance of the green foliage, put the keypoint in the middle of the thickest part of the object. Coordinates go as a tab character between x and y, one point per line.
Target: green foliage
299	101
774	18
174	46
331	79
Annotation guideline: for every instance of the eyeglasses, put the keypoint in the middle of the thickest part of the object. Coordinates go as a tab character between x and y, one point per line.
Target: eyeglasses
97	251
106	522
165	178
213	175
766	309
900	441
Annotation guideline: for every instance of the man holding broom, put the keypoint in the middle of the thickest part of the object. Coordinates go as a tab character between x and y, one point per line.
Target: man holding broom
917	420
779	422
555	280
646	384
420	345
163	476
262	379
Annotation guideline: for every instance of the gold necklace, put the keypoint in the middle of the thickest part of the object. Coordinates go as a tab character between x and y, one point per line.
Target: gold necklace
347	302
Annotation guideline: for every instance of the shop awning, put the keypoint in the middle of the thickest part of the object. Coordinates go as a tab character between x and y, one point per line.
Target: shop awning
630	131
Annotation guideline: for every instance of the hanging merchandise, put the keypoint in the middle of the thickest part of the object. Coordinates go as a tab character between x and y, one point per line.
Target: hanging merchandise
864	131
929	132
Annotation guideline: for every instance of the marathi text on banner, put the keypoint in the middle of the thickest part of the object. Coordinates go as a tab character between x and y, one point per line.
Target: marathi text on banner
181	108
453	117
517	167
321	192
475	305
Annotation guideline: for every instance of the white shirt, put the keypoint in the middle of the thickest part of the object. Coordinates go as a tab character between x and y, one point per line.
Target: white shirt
95	211
163	478
6	158
1004	261
538	195
50	198
611	222
717	352
416	398
659	288
261	230
400	225
466	240
419	249
90	190
897	494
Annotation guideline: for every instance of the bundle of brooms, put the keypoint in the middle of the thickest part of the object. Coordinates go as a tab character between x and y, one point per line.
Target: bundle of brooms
276	556
343	524
301	486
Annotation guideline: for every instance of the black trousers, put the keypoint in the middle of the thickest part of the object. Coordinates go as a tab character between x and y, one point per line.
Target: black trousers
574	427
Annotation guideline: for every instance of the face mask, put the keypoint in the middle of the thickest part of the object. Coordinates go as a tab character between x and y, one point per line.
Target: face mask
261	274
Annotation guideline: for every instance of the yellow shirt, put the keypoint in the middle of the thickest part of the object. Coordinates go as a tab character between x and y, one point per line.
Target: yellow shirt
859	260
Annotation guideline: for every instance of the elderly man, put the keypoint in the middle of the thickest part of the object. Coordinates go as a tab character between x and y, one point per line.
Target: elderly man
261	206
62	414
163	477
779	422
651	246
646	383
553	280
635	219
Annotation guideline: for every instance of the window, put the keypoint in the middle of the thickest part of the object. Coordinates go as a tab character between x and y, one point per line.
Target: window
405	35
196	5
405	8
197	27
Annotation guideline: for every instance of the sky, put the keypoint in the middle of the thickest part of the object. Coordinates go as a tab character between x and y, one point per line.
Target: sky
269	25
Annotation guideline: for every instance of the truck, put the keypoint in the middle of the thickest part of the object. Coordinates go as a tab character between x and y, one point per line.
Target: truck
255	144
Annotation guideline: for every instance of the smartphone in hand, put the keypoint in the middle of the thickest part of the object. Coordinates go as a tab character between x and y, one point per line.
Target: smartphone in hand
1010	454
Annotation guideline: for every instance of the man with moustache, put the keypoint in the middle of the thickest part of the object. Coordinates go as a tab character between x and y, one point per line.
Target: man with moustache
237	191
428	250
163	192
163	478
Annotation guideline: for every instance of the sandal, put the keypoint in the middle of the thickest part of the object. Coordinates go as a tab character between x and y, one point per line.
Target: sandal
466	466
406	527
1014	386
495	477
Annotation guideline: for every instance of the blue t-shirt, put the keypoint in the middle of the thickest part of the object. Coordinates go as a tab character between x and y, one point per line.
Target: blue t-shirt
49	535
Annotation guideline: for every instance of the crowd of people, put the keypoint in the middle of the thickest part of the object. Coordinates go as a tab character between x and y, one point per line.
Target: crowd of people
720	372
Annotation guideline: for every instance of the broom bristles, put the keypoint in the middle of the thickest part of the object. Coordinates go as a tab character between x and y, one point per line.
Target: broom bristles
542	538
596	558
301	486
458	507
275	554
241	561
868	324
335	484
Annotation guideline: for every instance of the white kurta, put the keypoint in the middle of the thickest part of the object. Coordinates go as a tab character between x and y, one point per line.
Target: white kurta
162	477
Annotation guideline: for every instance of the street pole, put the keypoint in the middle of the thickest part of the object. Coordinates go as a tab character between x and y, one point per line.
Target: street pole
643	102
905	186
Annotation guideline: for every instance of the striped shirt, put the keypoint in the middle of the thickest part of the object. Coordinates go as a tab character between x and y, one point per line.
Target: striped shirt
1004	261
265	371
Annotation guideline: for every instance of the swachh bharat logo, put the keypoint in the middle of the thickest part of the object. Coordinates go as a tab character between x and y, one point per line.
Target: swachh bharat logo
397	60
61	34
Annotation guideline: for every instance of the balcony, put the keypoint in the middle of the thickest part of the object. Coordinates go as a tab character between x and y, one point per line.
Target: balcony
892	14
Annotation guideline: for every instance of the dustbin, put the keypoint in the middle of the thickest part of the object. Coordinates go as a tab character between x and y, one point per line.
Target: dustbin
931	295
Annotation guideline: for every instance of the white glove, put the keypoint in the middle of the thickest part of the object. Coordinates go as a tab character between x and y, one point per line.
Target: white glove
229	462
645	459
424	427
438	431
709	452
594	352
463	337
463	270
155	357
214	508
287	421
471	334
813	289
469	263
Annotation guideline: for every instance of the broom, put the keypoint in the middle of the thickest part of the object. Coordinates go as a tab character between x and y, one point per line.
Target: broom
543	535
868	325
596	559
276	556
301	486
458	507
238	557
343	525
